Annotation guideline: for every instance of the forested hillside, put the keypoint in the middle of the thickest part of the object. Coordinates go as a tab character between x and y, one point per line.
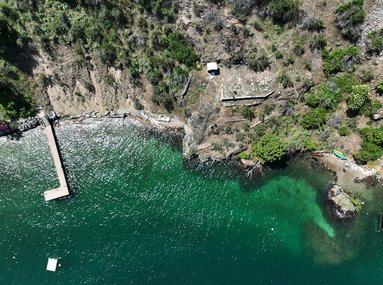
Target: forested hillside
321	60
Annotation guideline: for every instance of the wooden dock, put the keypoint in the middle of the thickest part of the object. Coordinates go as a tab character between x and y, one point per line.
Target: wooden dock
63	190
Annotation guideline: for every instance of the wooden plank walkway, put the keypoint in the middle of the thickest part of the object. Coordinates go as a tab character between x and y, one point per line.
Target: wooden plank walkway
63	190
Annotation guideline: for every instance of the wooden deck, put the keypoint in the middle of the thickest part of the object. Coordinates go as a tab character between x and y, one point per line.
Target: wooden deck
63	190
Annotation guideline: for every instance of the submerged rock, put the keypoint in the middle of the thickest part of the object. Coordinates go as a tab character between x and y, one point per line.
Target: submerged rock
343	205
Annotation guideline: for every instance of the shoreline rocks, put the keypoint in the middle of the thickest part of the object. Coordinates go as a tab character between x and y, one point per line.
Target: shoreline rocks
343	206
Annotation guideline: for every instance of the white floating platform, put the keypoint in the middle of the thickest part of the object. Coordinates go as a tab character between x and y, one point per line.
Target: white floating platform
52	264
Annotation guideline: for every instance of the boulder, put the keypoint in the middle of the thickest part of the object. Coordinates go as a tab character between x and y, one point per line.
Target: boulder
378	115
342	205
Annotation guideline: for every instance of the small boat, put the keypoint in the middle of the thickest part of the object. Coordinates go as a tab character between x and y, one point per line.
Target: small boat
339	154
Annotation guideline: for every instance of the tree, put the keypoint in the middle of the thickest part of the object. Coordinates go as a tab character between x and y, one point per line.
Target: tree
269	148
284	11
379	87
314	119
349	17
368	152
260	63
358	97
247	112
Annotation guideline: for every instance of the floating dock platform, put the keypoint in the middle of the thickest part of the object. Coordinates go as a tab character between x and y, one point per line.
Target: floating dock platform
52	264
63	190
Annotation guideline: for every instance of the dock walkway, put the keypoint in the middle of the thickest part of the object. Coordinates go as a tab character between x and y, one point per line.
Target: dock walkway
63	190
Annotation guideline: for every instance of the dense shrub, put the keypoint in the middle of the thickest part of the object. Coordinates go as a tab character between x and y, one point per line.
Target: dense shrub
258	63
8	36
371	148
374	43
180	50
358	97
247	112
14	102
371	107
299	49
343	131
314	119
278	54
366	75
242	7
339	59
379	87
284	11
108	54
285	80
258	25
349	16
269	148
326	96
318	42
368	152
314	24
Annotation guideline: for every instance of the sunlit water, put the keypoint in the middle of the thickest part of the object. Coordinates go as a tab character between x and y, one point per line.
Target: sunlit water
140	214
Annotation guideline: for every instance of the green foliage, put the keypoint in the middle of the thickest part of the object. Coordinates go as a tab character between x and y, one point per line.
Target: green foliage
309	144
285	80
375	42
339	59
349	16
247	112
318	42
358	97
368	152
325	96
299	45
269	148
180	50
268	109
8	36
343	131
258	25
278	54
366	75
371	107
283	11
344	82
15	101
314	119
372	145
289	61
108	54
379	86
244	155
314	24
258	63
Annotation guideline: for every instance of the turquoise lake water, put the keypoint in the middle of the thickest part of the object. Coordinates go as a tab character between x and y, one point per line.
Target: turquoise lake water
141	214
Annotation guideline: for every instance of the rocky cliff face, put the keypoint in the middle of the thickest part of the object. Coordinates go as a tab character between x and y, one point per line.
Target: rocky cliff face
73	88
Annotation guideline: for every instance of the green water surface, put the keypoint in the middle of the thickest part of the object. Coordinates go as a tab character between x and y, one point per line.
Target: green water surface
140	214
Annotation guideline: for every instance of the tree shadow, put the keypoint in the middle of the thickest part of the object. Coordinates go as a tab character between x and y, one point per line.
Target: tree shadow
23	57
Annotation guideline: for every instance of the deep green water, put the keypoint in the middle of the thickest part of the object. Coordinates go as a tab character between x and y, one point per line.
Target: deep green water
140	214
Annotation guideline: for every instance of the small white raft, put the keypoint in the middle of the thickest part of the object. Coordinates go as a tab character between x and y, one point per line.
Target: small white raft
52	264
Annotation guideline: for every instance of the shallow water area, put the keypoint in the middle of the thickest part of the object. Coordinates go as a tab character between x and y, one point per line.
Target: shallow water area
141	214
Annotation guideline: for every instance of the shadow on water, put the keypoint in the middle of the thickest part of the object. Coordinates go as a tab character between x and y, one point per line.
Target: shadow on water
16	136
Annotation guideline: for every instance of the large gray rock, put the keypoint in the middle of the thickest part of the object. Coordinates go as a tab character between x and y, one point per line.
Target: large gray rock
343	205
378	115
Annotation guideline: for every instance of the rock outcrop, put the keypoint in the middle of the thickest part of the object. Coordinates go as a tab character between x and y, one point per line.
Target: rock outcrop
343	206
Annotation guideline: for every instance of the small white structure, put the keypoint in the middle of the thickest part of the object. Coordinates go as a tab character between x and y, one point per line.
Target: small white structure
212	69
52	264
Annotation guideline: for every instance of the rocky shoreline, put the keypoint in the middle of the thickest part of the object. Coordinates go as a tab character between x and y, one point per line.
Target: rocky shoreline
347	173
158	122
